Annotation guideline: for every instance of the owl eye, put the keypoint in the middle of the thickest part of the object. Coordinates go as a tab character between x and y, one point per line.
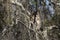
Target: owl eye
49	4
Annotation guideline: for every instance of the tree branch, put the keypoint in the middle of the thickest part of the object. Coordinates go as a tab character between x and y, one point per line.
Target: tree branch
21	5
